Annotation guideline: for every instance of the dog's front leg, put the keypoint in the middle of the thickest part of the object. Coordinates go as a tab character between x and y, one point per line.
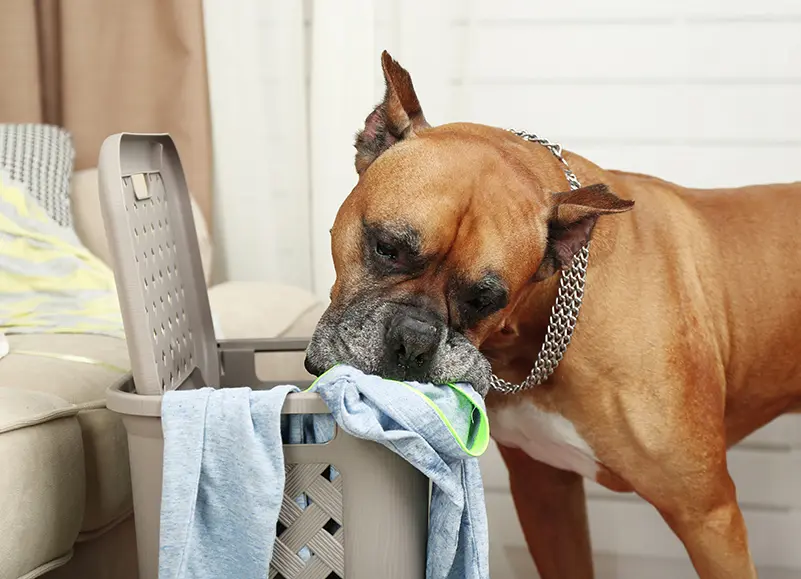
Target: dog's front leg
705	515
552	510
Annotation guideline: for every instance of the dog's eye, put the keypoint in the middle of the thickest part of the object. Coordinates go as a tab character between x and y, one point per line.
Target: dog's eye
480	303
386	251
481	299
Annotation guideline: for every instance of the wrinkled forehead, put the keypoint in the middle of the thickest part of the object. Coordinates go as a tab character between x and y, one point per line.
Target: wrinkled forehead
461	201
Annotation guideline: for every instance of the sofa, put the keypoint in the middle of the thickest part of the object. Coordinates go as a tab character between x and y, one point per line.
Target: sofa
65	492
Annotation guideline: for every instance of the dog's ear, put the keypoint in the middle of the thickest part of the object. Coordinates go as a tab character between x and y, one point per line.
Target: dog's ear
573	217
398	117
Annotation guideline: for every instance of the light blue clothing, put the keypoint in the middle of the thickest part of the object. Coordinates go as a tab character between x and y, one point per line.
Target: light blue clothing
219	519
440	430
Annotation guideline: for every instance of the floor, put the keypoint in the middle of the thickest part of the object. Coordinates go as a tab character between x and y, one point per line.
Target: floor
518	565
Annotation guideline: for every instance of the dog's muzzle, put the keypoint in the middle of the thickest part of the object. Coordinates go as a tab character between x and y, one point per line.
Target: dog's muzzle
395	341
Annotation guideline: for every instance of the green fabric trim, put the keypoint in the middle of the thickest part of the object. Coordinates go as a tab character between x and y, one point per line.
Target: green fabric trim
320	377
477	444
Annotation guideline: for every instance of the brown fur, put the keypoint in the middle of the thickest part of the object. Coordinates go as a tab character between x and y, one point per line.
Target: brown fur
685	344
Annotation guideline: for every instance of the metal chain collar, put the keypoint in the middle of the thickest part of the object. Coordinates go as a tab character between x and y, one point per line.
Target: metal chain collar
568	300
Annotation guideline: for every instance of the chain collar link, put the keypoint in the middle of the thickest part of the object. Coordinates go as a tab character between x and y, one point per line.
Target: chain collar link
568	300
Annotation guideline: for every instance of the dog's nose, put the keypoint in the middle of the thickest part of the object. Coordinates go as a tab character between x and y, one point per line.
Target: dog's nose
411	343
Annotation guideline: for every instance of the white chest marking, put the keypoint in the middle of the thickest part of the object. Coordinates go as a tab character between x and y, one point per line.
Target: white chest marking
545	436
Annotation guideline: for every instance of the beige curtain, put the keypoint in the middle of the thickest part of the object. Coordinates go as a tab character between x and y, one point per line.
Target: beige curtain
98	67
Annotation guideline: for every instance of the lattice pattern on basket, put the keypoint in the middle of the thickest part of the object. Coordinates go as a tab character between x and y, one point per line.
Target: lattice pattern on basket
310	538
156	255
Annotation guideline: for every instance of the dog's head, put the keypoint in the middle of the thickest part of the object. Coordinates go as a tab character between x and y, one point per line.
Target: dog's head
444	230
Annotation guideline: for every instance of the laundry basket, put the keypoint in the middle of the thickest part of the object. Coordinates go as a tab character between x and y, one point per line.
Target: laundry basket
369	522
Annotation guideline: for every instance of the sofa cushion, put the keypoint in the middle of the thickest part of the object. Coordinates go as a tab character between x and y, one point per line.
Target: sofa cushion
49	282
33	365
41	156
42	482
255	310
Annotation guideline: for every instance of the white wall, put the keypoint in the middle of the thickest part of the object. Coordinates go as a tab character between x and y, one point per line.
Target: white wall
341	80
703	92
256	55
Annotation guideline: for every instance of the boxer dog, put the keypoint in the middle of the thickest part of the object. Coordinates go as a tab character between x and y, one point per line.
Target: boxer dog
448	255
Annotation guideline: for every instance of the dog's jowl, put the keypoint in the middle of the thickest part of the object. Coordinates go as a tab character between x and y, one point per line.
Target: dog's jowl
449	253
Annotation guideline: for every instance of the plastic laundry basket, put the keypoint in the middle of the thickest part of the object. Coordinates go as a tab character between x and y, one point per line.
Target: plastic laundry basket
369	522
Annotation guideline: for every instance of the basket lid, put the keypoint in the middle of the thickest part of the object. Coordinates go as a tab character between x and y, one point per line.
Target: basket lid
158	272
